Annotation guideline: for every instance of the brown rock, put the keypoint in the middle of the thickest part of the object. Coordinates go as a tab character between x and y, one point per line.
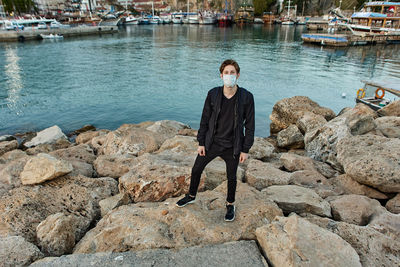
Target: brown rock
43	167
261	175
167	128
188	132
262	149
8	146
47	148
113	166
82	153
310	121
180	143
56	234
291	137
86	137
294	241
393	109
393	205
197	224
388	126
387	223
110	203
293	162
288	110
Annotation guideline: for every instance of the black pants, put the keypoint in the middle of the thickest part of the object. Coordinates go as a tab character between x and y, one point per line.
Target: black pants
231	168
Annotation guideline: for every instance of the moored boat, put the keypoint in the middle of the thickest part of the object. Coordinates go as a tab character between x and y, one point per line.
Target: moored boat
131	20
377	95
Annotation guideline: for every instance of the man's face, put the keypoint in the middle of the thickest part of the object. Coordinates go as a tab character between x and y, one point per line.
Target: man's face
230	70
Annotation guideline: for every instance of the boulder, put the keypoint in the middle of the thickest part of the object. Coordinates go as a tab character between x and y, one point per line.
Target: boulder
86	137
310	121
97	142
371	160
393	205
374	248
188	132
262	149
47	136
167	128
113	166
47	148
262	174
8	146
82	153
16	251
236	253
215	173
7	138
293	198
27	206
387	223
11	171
132	140
294	241
44	167
110	203
291	137
388	126
12	155
164	225
325	169
393	109
293	162
354	209
288	110
180	143
56	234
350	186
320	143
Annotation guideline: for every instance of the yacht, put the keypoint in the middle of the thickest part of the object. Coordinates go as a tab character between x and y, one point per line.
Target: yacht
131	20
207	18
155	20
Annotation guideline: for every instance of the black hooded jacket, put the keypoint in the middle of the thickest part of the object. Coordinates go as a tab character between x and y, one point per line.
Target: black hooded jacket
244	120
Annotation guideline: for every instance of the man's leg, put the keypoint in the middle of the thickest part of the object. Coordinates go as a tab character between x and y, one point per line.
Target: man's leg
231	169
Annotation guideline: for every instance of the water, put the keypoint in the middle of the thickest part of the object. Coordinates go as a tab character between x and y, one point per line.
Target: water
160	72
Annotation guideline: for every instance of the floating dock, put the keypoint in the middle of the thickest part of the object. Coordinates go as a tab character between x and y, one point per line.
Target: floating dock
350	39
30	34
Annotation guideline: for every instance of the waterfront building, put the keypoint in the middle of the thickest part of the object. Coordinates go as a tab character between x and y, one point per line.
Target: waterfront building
52	6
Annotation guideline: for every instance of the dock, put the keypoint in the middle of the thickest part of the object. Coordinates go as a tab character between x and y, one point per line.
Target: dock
352	39
31	34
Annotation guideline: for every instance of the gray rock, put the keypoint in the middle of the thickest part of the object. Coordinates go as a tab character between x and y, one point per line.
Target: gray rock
293	198
7	138
108	204
393	109
47	136
387	223
262	174
16	251
236	253
310	121
262	149
291	137
113	166
293	162
393	205
8	146
388	126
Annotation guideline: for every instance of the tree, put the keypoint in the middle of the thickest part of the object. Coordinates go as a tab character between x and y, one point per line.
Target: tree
19	6
259	7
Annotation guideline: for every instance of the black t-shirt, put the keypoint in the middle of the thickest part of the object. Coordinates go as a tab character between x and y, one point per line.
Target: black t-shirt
225	122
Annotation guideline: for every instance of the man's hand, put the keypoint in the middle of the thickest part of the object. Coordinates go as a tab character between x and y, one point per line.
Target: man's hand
201	150
243	157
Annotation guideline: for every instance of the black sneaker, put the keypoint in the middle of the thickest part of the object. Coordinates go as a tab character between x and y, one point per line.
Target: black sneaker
184	201
230	213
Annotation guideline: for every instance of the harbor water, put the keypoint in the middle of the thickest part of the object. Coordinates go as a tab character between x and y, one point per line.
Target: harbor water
156	72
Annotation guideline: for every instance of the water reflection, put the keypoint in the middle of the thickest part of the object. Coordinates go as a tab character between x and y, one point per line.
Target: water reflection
13	80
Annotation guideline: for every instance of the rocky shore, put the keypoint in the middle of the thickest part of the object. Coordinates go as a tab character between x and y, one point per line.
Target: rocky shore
322	190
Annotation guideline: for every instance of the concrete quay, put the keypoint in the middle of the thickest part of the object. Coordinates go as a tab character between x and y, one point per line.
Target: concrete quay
29	34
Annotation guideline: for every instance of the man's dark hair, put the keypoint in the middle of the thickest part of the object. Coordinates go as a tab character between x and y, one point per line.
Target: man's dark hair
229	62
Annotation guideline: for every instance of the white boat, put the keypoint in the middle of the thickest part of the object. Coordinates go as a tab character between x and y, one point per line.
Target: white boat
131	20
42	26
287	22
177	20
193	19
207	18
166	19
155	20
51	36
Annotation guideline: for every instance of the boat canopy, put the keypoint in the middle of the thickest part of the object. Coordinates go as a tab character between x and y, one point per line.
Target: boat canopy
392	87
382	3
368	15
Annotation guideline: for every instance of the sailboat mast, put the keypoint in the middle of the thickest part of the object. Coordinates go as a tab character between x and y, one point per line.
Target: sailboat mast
288	9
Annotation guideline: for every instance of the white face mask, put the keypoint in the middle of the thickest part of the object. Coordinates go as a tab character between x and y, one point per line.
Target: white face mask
229	80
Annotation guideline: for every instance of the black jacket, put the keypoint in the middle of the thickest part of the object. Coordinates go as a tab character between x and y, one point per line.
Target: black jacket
244	118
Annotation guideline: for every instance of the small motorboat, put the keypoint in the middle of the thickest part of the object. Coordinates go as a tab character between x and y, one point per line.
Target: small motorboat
373	94
52	36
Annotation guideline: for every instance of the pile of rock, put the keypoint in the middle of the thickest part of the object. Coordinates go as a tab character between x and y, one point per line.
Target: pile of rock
322	190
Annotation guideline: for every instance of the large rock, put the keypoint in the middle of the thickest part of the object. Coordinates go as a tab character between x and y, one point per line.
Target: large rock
27	206
180	143
388	126
310	121
167	128
56	234
261	175
373	247
47	136
60	143
8	146
350	186
387	223
113	166
82	153
372	160
10	172
132	140
291	137
110	203
321	143
237	253
262	149
44	167
293	162
16	251
294	241
354	209
393	109
293	198
393	205
164	225
86	137
288	110
7	138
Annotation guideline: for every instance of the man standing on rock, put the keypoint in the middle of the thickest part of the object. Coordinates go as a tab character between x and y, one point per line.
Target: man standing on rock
227	111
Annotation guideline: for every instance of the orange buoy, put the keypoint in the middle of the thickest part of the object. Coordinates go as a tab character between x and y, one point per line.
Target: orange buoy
362	91
379	96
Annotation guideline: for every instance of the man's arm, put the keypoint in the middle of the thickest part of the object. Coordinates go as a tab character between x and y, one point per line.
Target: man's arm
249	125
205	118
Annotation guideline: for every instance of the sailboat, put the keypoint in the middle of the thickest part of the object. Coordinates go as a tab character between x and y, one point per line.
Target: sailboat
154	19
287	20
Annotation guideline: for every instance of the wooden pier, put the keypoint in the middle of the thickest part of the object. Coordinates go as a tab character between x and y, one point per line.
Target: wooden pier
31	34
352	39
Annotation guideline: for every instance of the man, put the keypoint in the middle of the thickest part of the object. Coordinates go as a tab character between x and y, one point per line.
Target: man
226	111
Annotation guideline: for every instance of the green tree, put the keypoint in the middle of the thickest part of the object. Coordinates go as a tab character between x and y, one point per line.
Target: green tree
259	7
19	6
